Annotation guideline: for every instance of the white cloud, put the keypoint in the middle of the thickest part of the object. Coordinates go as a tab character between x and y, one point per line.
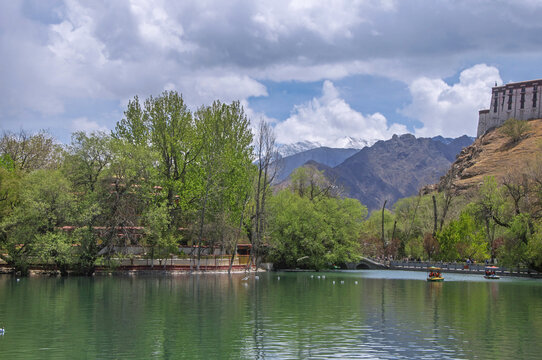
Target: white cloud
86	125
157	26
203	88
452	110
103	52
329	118
329	20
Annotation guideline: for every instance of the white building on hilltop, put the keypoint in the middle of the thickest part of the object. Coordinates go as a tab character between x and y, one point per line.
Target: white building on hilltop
520	100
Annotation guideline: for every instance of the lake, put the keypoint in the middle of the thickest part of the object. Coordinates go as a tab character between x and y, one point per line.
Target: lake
346	315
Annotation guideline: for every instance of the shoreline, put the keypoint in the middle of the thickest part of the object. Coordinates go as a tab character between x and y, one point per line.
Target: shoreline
4	270
132	272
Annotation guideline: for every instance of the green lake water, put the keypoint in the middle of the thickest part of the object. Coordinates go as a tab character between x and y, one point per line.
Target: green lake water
363	315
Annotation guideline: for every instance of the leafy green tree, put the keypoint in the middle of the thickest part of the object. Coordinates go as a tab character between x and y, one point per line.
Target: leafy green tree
310	182
173	138
134	128
165	127
56	248
463	238
159	237
314	234
534	249
126	191
88	157
225	163
46	204
516	242
87	164
491	209
10	179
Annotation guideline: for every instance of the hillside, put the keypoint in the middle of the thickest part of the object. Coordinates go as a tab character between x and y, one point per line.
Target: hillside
493	155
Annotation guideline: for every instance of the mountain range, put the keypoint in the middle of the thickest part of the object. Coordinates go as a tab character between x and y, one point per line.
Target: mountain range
346	142
387	170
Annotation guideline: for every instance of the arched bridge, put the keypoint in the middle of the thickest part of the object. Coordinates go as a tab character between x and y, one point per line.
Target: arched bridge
366	263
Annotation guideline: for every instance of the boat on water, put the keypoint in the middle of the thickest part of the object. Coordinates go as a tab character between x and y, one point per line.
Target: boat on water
491	273
435	274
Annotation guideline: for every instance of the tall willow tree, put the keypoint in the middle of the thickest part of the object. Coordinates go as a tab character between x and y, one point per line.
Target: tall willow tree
165	127
225	163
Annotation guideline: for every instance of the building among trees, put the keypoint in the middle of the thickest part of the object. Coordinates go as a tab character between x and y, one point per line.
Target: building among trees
520	100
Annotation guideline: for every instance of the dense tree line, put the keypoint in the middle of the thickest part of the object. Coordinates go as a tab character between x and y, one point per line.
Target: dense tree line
167	176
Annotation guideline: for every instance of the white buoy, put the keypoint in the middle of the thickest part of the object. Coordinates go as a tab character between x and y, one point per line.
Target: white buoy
355	282
18	280
323	276
318	276
312	276
278	277
257	277
333	281
342	282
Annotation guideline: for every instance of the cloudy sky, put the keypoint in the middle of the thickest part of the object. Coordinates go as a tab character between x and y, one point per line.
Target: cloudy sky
318	70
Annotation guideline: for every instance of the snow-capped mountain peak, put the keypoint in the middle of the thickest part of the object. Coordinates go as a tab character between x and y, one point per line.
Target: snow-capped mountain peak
346	142
295	148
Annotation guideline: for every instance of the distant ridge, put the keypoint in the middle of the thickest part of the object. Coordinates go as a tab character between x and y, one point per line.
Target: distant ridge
322	155
391	169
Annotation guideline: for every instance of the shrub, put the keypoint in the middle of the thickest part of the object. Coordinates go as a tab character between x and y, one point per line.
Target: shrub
515	129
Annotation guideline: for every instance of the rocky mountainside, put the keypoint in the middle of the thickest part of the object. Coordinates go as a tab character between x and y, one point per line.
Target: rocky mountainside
493	154
395	168
322	155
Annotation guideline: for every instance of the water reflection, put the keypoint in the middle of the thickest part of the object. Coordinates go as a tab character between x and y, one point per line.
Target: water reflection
363	315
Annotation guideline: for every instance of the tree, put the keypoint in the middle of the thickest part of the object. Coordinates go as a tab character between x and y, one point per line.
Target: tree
224	163
172	135
87	158
46	204
125	192
164	126
430	245
490	208
310	182
314	234
463	238
30	152
57	248
87	165
516	242
10	179
266	155
158	235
